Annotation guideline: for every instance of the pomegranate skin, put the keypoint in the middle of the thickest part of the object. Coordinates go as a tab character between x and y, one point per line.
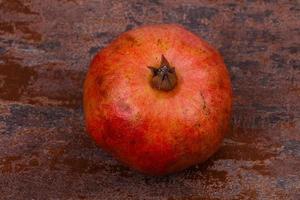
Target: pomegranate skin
153	131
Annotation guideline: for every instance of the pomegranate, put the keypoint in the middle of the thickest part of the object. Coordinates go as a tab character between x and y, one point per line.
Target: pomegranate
158	98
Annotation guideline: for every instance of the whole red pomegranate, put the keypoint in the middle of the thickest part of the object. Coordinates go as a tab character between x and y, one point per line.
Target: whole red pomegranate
158	98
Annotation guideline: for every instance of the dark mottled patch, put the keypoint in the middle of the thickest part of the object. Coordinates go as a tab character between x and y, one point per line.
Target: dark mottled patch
294	63
266	108
239	17
279	60
256	16
152	11
102	35
231	6
104	38
244	42
257	35
292	49
156	2
195	14
267	1
129	27
296	30
258	120
29	116
200	12
276	117
50	45
2	50
134	20
282	183
261	16
94	50
295	9
264	80
5	41
292	147
254	48
248	64
138	8
53	78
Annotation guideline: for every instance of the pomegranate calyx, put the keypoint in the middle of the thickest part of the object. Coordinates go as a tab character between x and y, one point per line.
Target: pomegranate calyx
164	77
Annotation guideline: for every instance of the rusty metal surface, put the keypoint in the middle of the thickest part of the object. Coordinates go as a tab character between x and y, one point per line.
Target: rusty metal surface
45	49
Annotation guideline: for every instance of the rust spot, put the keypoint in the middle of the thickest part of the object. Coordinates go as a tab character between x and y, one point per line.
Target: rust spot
94	168
55	155
23	27
215	176
243	152
16	6
20	167
14	78
6	27
78	165
28	33
33	162
6	163
262	169
15	164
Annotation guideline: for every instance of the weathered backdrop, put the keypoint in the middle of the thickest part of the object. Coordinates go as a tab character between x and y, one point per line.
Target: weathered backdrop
45	49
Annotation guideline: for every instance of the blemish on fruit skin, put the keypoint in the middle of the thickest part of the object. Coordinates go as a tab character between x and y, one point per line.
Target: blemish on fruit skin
163	45
204	104
159	42
99	87
99	80
203	101
131	40
198	124
124	107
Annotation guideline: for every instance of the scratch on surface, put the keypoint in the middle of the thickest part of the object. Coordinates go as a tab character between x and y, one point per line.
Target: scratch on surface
204	104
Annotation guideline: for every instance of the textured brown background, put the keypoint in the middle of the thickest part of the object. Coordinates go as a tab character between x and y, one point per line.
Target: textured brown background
45	49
